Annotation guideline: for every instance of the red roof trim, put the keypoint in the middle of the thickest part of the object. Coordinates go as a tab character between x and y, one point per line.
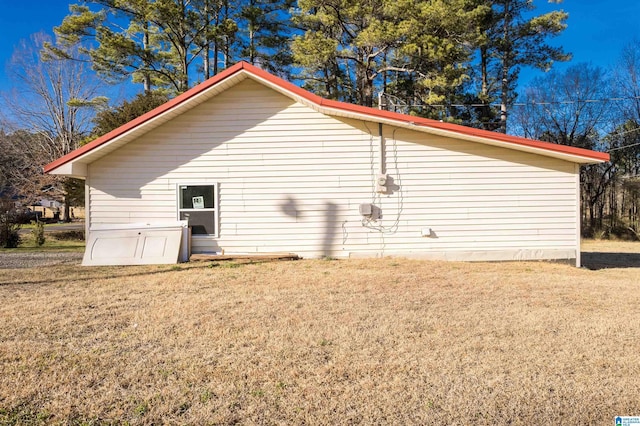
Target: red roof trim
371	112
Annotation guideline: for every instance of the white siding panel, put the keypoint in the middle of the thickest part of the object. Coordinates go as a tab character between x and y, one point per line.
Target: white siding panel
291	179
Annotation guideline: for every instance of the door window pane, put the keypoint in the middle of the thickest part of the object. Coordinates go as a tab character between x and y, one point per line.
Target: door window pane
201	223
197	197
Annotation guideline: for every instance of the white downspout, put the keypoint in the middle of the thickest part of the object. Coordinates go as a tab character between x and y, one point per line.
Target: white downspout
87	206
578	216
382	150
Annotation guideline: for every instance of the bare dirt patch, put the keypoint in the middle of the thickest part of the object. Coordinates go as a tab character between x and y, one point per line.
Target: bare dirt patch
320	342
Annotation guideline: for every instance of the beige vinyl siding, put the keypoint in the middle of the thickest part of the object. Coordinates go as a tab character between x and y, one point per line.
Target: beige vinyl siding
291	179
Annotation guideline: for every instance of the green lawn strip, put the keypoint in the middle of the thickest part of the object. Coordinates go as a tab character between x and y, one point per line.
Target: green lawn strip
51	226
51	244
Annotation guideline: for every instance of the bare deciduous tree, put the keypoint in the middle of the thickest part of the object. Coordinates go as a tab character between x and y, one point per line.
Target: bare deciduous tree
46	116
569	108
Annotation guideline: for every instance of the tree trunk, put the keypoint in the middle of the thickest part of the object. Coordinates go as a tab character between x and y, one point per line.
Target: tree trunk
364	85
184	53
368	92
504	71
205	64
252	46
504	96
145	46
216	44
66	216
484	89
207	44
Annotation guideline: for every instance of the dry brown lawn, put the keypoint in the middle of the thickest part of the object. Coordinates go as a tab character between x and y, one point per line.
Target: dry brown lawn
389	341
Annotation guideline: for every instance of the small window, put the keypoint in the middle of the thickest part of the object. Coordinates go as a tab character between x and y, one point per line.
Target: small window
199	205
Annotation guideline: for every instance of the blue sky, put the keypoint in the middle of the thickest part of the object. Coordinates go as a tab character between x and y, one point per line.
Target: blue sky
597	29
19	19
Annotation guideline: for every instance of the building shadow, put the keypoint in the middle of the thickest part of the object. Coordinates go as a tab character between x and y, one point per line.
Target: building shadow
609	260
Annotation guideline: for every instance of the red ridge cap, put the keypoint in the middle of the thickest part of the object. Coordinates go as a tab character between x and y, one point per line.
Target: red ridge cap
328	103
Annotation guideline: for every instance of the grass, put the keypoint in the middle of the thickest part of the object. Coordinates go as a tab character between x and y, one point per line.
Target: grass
65	241
389	341
611	246
48	226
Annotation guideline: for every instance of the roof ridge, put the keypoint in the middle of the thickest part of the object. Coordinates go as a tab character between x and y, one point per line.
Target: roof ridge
373	113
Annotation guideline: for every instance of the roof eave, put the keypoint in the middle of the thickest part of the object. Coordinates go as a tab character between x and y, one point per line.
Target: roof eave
74	169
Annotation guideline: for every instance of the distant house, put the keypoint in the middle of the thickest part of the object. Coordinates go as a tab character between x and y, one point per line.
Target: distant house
50	204
53	208
258	165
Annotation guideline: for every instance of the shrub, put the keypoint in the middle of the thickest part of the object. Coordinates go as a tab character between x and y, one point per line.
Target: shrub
74	235
38	233
9	227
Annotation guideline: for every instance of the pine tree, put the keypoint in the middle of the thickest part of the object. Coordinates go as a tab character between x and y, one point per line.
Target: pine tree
159	43
265	35
215	42
345	42
415	49
434	56
509	39
115	52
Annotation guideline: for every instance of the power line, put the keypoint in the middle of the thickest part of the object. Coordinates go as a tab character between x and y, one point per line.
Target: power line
401	104
624	147
518	104
626	132
578	101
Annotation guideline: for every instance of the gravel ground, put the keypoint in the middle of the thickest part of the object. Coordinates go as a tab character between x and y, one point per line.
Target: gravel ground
38	259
